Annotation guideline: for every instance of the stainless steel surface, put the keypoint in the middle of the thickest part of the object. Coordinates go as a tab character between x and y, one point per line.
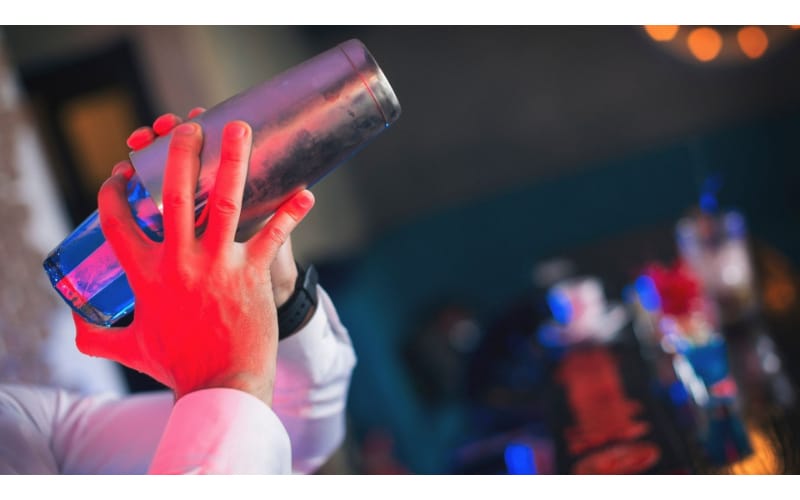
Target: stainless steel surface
306	121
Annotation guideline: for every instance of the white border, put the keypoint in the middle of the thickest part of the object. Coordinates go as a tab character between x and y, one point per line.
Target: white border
399	487
336	12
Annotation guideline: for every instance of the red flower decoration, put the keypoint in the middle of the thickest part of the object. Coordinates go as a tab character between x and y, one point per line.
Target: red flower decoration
678	287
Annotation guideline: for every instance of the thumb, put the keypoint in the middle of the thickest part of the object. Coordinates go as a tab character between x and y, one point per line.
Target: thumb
117	344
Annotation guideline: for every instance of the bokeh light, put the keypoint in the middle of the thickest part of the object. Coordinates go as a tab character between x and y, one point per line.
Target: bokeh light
705	43
753	41
662	33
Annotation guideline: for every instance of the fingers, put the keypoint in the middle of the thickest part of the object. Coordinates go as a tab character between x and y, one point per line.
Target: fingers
116	220
140	138
180	182
144	136
123	168
166	122
264	246
225	201
117	344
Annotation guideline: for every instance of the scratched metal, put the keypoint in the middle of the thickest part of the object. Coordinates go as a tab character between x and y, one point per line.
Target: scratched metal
306	122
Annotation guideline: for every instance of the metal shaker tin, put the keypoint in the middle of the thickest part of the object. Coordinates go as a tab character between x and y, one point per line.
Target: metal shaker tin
306	121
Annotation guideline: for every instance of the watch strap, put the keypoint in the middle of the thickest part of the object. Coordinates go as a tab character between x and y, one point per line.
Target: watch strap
294	311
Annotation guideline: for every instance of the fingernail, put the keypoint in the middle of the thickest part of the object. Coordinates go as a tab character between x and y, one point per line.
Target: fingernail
186	129
164	123
196	111
303	201
137	137
123	169
235	130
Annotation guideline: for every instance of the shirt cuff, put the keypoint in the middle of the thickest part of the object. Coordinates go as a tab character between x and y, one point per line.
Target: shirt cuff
309	357
222	431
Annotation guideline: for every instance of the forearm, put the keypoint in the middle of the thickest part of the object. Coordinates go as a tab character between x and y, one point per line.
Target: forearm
60	432
215	431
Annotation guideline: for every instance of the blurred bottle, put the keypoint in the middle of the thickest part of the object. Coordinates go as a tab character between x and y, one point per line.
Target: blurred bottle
581	315
306	121
725	440
715	244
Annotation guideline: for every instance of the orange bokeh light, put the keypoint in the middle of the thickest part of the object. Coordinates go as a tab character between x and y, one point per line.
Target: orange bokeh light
705	43
661	33
753	41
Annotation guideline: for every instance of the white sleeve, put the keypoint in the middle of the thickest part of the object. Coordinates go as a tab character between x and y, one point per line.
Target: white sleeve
213	431
51	431
222	431
311	385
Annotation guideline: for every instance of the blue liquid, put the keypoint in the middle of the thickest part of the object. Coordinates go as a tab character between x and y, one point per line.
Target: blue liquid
85	271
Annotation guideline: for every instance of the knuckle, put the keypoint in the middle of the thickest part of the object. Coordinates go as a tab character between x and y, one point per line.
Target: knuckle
112	184
106	192
184	276
184	145
226	205
219	273
276	234
177	199
233	156
294	214
108	197
120	166
178	275
111	224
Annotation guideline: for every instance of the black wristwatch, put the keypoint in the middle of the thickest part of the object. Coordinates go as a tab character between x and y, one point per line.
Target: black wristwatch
294	311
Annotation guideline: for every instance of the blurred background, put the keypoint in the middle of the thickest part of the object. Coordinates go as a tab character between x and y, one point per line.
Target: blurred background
531	166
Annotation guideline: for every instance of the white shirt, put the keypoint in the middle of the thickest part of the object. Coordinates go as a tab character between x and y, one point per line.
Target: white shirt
213	431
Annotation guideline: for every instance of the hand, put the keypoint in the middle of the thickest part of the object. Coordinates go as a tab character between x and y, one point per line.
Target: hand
205	311
283	270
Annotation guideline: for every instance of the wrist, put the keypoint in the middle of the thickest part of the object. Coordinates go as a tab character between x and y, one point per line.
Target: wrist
258	386
283	289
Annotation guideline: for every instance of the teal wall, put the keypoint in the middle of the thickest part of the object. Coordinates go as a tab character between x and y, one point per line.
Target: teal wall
483	253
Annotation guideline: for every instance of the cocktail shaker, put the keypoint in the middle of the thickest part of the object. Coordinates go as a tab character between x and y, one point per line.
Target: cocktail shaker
306	121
